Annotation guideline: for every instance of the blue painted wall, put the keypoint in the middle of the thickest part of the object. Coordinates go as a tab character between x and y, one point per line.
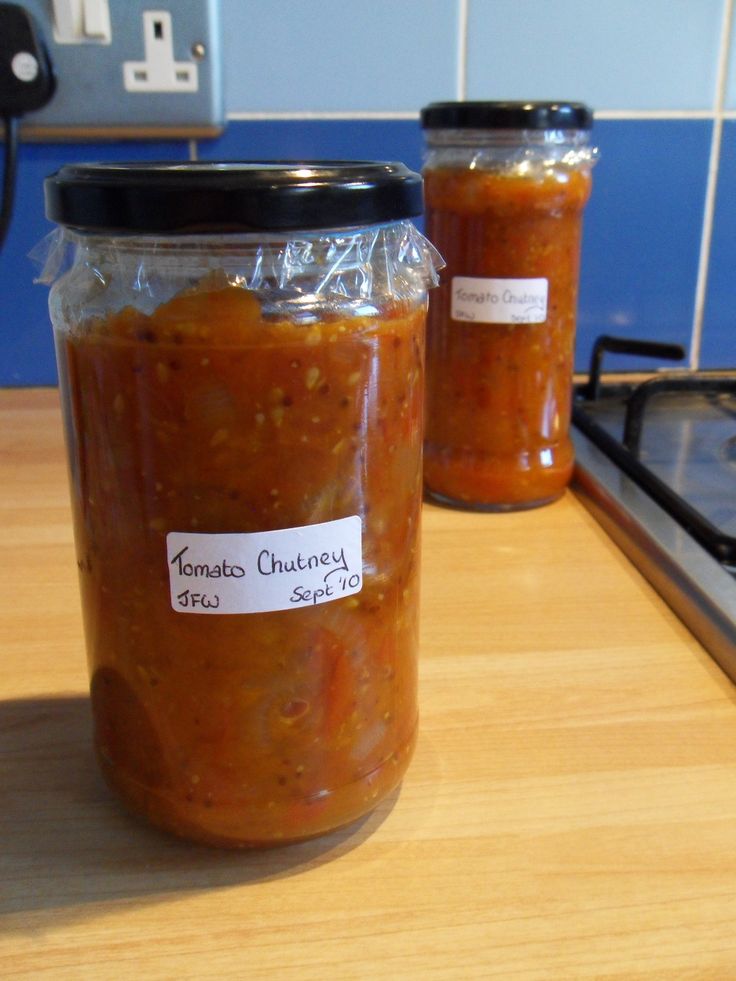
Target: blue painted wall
347	80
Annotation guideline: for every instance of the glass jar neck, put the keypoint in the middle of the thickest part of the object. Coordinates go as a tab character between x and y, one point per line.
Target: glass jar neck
510	148
505	138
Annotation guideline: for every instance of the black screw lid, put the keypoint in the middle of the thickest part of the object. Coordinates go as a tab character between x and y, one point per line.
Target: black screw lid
267	195
507	115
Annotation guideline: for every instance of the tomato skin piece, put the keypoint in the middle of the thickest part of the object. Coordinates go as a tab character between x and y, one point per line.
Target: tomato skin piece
338	696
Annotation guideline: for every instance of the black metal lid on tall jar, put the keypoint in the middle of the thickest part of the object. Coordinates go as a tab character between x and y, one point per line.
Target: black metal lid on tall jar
507	115
259	196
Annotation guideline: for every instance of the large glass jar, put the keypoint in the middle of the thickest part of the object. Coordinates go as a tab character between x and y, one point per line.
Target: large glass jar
505	184
241	354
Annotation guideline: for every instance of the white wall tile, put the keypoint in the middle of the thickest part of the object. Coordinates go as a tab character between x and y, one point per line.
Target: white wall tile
333	56
612	54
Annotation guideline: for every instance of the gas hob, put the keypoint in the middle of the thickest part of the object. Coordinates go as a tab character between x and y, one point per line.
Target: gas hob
656	465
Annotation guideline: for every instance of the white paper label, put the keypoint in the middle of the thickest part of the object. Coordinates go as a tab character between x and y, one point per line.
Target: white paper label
268	570
499	301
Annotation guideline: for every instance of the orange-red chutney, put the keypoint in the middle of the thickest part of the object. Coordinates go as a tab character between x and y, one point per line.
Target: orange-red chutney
499	395
208	416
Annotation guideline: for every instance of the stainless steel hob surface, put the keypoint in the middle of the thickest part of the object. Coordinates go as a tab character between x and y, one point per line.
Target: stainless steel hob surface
656	465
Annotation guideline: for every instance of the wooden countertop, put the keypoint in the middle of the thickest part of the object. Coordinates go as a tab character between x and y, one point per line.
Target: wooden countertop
570	811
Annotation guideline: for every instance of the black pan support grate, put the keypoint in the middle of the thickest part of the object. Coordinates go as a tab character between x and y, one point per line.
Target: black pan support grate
625	452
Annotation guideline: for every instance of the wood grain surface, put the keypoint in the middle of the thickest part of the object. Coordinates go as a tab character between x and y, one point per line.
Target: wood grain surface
570	811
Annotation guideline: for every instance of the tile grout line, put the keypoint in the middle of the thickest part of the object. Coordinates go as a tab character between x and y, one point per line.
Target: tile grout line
706	239
298	115
462	49
338	114
646	114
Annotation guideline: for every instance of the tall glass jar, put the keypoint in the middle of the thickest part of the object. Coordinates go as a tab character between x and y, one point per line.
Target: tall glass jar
240	349
505	184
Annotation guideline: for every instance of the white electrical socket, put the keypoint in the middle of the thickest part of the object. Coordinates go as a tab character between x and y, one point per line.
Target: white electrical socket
159	72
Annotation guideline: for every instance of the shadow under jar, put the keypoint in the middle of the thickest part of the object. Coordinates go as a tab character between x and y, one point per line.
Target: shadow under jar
240	351
505	185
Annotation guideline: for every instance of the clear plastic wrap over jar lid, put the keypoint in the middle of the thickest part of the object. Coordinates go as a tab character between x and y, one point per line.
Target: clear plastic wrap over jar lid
305	235
504	135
